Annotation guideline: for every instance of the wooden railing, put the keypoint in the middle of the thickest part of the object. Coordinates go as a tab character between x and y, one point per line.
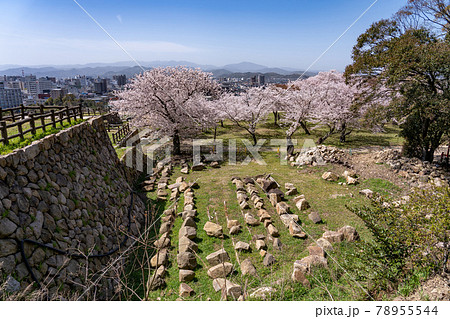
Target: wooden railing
37	117
121	133
14	113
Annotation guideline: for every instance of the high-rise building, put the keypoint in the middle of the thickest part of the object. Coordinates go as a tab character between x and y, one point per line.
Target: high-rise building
44	85
10	97
101	86
261	80
29	84
121	79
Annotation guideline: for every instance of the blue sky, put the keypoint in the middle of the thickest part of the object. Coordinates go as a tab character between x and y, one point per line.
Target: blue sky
273	33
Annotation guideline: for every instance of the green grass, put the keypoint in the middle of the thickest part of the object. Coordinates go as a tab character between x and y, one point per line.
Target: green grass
16	143
268	130
216	187
120	151
413	282
381	186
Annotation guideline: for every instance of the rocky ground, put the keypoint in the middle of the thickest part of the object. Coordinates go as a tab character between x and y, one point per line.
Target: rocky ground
436	288
387	164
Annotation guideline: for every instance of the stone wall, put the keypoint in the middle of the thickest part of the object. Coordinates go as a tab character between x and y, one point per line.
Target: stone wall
421	174
68	191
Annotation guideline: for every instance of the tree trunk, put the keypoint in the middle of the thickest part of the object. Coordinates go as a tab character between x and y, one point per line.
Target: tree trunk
429	154
176	143
344	133
215	132
289	146
275	116
304	127
254	138
221	123
323	138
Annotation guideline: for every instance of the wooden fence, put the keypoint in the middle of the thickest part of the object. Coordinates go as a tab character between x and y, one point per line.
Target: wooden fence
121	133
35	117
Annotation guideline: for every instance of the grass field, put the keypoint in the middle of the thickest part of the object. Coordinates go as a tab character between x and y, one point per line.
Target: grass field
269	130
329	199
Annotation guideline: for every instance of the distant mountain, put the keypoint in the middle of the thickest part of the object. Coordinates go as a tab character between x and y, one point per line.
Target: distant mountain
62	73
155	64
129	68
8	66
220	73
244	67
276	70
129	72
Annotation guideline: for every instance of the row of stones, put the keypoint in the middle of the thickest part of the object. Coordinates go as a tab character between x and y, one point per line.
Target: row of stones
318	252
186	257
288	219
283	209
160	260
187	248
219	261
263	216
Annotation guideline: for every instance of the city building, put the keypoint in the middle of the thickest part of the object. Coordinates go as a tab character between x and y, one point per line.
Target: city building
261	79
58	93
101	86
44	85
29	85
9	97
258	80
13	84
120	79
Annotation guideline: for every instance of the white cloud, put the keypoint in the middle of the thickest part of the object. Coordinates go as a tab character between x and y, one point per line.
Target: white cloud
24	49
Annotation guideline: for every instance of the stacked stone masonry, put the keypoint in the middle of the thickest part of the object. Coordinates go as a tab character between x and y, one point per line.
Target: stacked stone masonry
68	191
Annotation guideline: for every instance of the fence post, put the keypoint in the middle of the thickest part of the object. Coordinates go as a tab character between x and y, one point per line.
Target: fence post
22	111
4	132
41	110
81	111
1	114
19	127
74	113
12	115
61	118
32	125
68	113
53	118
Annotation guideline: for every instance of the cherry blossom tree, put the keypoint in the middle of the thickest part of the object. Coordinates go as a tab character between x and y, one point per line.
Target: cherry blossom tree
171	101
334	105
247	109
276	95
300	97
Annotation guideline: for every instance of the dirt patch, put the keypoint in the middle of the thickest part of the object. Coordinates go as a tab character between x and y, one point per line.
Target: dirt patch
436	288
365	166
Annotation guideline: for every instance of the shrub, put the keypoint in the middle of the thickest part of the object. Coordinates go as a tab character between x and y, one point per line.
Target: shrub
406	238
